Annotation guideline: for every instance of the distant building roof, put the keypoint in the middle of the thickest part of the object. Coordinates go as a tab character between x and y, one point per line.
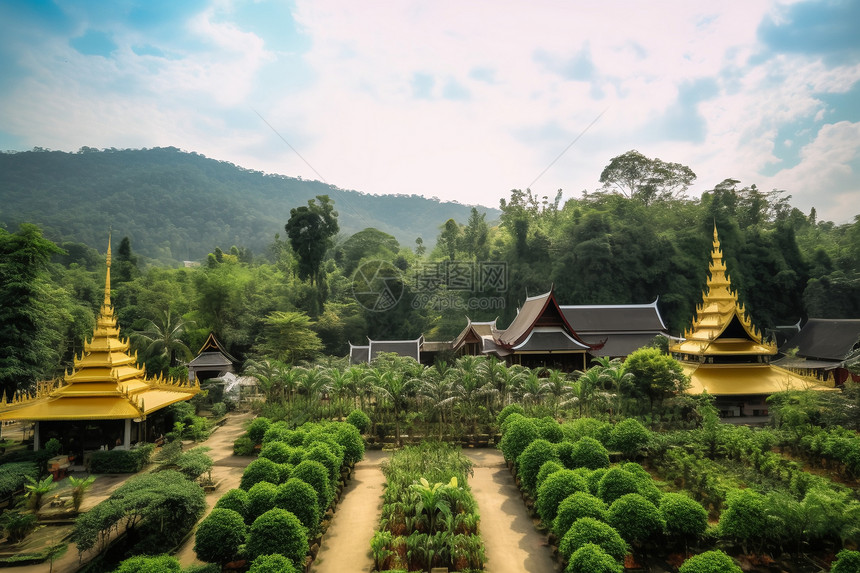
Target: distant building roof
827	339
589	319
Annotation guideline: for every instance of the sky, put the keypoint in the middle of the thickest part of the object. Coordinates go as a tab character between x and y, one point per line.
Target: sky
457	100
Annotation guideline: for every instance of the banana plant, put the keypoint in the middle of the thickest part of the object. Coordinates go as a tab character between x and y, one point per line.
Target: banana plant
433	501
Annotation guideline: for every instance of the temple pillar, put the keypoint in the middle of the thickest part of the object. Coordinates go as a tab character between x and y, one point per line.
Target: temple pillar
36	437
126	439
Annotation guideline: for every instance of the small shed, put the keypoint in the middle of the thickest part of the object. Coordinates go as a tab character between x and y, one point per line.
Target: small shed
212	361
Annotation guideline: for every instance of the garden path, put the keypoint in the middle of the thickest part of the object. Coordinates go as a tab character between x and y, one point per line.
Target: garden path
512	543
346	544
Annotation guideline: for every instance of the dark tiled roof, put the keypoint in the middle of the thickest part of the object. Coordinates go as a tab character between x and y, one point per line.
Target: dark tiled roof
358	354
208	359
541	310
618	344
828	339
614	318
410	348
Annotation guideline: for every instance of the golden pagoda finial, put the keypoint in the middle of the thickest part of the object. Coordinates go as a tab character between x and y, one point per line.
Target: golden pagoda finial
107	274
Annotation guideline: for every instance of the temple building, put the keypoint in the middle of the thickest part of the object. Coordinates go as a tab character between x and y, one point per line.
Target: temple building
724	354
825	348
104	402
212	361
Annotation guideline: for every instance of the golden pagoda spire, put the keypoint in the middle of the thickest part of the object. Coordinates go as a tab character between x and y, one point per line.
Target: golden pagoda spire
107	275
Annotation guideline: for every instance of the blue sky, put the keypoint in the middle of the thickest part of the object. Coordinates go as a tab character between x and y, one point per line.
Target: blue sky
458	100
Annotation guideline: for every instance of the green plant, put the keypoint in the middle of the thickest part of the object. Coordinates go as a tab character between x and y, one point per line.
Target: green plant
13	476
588	530
432	501
219	536
219	410
588	453
847	561
53	447
379	547
79	489
243	446
353	444
315	474
519	433
261	498
591	558
615	483
555	488
278	452
629	437
744	519
121	461
258	428
713	562
272	564
194	463
299	497
150	564
685	518
278	531
530	461
261	469
507	411
359	420
548	429
635	518
548	468
18	525
579	504
36	490
235	499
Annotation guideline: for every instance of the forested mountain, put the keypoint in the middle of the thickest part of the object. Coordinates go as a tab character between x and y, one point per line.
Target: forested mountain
178	206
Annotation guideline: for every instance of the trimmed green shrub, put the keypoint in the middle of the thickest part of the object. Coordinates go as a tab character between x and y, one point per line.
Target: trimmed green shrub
591	558
278	531
507	411
261	498
278	452
235	499
13	476
629	437
272	564
280	432
589	453
744	518
847	561
635	518
530	461
546	469
575	430
359	420
575	506
300	497
350	438
150	564
321	453
258	428
594	480
315	474
644	482
564	450
519	434
219	536
589	530
715	562
685	518
549	429
615	483
121	461
195	462
243	446
555	488
261	469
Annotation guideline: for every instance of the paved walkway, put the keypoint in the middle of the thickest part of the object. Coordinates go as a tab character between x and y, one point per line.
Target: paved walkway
512	543
346	544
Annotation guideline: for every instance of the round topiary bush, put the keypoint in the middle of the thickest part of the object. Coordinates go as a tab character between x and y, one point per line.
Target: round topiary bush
564	450
272	564
359	420
261	469
589	530
546	469
629	437
847	561
615	483
685	518
350	438
507	411
261	498
713	562
235	499
589	453
219	536
322	453
549	429
278	531
150	564
315	474
278	452
257	429
555	488
300	497
530	461
519	434
644	482
576	506
591	558
635	518
575	430
279	432
594	480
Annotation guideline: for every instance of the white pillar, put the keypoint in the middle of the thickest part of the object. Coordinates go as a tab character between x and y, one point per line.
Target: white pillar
36	438
126	441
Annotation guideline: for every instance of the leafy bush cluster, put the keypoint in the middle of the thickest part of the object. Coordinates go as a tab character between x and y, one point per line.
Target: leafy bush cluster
429	517
121	461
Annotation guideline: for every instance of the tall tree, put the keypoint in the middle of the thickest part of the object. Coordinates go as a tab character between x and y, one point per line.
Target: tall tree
26	352
311	230
636	176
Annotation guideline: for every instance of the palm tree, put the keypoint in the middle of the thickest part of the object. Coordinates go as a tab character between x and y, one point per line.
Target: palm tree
466	392
616	378
558	386
313	385
435	388
269	375
164	337
338	384
530	389
392	385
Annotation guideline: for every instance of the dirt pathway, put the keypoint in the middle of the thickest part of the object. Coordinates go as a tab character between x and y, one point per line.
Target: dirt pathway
512	543
346	544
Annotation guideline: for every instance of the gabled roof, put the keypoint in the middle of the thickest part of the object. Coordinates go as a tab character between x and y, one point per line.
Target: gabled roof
827	339
599	318
537	311
359	354
721	325
474	332
214	346
410	348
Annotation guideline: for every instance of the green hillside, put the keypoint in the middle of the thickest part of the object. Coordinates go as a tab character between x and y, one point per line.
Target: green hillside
176	206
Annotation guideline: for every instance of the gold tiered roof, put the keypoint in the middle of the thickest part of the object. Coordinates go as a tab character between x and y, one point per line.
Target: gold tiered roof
721	325
106	383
